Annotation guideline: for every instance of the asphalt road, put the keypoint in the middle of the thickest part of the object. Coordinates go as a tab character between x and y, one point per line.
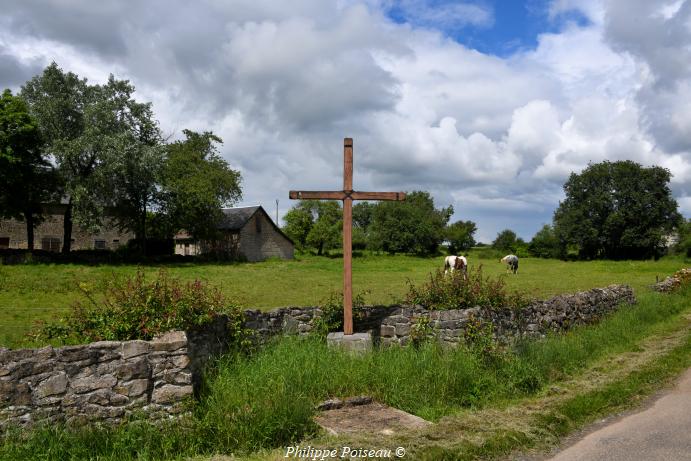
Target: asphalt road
662	432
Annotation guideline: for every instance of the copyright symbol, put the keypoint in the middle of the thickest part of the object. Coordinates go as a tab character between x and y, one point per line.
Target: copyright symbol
400	452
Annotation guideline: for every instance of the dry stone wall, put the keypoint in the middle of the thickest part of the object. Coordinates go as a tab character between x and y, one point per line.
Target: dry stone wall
102	381
392	324
108	381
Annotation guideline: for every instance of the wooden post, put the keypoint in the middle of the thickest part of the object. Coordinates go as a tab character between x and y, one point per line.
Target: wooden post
348	237
347	195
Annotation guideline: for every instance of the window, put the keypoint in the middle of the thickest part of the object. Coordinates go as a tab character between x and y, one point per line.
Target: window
258	224
4	242
187	249
50	244
99	244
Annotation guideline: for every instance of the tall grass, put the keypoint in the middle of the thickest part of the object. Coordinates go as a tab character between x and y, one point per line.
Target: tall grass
267	400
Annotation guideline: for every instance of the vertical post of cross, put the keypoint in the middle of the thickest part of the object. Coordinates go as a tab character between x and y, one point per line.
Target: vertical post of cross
348	236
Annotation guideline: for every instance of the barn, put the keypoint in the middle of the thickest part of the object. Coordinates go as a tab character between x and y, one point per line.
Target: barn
246	233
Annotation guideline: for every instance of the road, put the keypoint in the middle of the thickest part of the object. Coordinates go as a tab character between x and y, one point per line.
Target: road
661	432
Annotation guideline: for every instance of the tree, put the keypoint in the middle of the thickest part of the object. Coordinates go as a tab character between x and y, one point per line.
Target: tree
460	236
508	241
617	210
362	219
196	183
132	154
26	178
57	100
412	226
105	146
545	244
316	224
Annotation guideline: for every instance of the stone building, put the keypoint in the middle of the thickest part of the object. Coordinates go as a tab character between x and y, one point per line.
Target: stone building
49	234
246	232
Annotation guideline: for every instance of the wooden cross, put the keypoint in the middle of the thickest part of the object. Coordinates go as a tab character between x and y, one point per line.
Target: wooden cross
347	195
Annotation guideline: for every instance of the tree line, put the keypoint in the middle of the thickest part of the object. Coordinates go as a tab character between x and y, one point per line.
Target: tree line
413	226
101	153
611	210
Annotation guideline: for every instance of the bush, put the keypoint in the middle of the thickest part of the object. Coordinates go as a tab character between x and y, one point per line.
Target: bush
453	291
331	318
133	308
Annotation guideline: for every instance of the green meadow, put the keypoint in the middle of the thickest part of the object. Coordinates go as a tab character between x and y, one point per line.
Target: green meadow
34	292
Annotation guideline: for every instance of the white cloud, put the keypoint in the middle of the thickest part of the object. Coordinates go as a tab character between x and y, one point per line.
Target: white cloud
283	82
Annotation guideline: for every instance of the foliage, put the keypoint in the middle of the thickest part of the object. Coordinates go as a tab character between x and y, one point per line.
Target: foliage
413	226
196	183
545	244
421	330
135	308
315	224
617	210
508	242
331	318
460	236
454	291
683	246
104	144
27	179
132	154
478	336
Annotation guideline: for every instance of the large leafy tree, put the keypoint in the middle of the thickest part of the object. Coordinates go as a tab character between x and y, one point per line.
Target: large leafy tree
105	146
316	224
617	210
196	183
26	177
58	100
460	236
412	226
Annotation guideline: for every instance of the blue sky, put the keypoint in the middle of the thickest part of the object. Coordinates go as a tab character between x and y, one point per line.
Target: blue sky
488	105
508	27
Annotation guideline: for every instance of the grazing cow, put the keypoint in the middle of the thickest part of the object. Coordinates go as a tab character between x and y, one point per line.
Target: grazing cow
452	263
511	263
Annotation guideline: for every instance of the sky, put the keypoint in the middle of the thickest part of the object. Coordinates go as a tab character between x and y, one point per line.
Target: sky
488	105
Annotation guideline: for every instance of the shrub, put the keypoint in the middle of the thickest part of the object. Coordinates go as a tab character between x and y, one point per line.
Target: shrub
453	291
134	308
331	318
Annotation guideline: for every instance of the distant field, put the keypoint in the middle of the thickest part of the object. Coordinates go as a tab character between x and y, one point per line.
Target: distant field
34	292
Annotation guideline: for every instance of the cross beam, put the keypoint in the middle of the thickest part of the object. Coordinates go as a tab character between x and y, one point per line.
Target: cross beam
347	195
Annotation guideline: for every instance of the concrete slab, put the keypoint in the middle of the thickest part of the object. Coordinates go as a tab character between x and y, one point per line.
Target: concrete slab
371	418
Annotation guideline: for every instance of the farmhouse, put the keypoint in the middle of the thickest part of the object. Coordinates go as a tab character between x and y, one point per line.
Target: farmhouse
49	234
246	232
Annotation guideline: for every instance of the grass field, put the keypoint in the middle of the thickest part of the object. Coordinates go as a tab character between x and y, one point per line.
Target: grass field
36	292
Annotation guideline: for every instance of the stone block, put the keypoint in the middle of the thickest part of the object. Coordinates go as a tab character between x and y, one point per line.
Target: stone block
91	383
169	393
387	331
76	354
54	385
402	329
136	369
14	394
134	348
357	342
133	388
170	341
